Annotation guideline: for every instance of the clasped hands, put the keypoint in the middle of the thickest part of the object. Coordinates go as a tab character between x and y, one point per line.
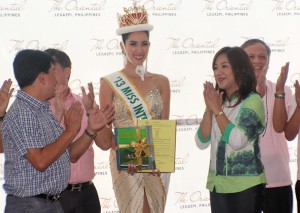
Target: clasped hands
212	98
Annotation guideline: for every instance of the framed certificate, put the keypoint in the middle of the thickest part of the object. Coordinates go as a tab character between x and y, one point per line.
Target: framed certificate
164	140
135	146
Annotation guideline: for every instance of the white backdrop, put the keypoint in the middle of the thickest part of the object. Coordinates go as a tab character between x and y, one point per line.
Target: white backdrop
186	35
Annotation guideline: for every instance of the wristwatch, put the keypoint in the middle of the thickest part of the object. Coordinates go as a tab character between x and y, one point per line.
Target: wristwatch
219	113
280	96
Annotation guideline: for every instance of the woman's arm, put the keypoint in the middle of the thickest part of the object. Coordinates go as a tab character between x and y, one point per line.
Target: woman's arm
104	138
203	134
213	101
279	111
164	86
292	127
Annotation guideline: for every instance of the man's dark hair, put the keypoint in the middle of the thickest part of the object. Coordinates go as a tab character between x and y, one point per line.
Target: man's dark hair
60	57
28	64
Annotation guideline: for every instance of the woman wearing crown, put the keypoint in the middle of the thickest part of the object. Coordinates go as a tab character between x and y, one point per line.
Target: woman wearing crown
135	192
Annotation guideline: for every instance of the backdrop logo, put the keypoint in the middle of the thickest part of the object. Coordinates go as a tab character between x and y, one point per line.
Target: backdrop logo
102	47
293	151
188	123
191	200
108	203
286	8
101	168
279	45
77	8
190	46
162	8
19	44
12	9
293	78
181	161
177	84
226	8
76	84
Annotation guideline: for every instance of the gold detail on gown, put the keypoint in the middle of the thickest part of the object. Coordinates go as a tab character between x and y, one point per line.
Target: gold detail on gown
129	190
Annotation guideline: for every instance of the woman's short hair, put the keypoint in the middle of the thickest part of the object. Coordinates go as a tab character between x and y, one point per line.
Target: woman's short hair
242	70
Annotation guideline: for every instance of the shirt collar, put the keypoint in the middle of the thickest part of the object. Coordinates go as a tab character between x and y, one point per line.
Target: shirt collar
234	97
32	101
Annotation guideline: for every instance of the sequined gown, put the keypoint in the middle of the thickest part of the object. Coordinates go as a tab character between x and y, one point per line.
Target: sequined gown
129	190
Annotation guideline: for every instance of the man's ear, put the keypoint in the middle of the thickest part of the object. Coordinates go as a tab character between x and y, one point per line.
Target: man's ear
41	78
68	71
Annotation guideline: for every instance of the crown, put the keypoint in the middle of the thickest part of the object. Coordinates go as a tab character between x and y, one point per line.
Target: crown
134	19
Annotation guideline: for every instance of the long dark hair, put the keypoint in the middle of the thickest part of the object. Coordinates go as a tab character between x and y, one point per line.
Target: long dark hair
242	70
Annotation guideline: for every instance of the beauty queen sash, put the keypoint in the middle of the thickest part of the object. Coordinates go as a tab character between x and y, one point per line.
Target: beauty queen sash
131	96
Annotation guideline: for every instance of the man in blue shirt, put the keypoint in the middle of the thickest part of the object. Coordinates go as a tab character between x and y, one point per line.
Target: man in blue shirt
37	149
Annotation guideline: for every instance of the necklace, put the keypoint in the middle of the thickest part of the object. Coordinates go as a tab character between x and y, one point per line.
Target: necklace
140	70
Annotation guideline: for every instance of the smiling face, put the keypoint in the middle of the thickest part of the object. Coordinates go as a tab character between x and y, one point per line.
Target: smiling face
137	47
258	56
224	75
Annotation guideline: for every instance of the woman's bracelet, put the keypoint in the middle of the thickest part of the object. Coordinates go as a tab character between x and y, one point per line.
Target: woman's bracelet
219	113
280	96
89	134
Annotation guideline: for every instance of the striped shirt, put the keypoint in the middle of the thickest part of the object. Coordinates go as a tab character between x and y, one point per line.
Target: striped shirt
29	123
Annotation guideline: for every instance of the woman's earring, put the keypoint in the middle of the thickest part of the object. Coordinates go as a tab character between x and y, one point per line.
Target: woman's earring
146	67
